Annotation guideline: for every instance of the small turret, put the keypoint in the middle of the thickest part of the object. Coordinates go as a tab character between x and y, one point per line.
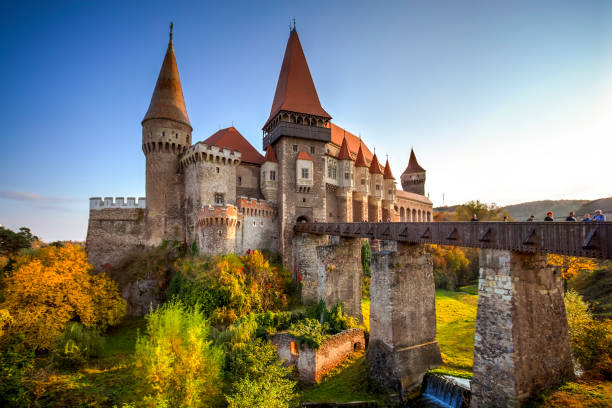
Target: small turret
376	177
389	193
362	174
413	178
269	175
346	165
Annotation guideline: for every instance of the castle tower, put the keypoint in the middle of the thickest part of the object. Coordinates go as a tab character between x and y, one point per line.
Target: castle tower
413	178
166	133
376	191
362	188
269	176
346	168
388	194
297	130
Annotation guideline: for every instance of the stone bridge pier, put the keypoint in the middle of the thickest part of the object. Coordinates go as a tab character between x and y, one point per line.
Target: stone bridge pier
330	271
521	344
403	344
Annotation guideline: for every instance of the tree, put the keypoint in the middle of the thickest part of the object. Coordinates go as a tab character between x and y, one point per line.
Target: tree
11	242
50	287
176	363
571	266
484	211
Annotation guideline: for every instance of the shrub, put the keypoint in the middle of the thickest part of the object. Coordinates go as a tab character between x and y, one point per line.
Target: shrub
257	378
591	339
16	359
310	332
175	361
52	286
77	344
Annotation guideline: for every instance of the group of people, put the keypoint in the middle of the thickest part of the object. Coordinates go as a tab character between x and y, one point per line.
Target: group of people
598	217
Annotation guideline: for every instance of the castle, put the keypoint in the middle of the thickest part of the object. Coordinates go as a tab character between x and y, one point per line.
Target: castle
227	197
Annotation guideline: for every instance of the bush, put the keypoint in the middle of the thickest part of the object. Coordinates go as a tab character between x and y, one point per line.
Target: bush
335	318
257	378
77	345
52	286
310	332
16	360
176	363
591	339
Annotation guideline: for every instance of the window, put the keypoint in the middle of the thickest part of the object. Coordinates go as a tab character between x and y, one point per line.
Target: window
272	175
312	150
217	169
239	180
377	187
163	133
218	198
294	148
305	173
347	175
363	182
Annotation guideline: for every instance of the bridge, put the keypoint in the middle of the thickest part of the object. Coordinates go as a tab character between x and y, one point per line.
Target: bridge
521	344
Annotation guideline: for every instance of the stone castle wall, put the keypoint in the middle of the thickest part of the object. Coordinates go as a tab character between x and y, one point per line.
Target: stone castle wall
259	228
248	186
113	232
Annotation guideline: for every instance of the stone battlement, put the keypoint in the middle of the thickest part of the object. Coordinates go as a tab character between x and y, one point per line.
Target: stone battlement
213	154
254	207
97	203
218	215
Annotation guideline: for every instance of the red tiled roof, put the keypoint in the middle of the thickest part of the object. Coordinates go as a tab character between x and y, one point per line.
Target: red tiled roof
295	90
338	134
375	166
167	101
360	160
304	156
270	155
413	165
387	174
344	154
230	138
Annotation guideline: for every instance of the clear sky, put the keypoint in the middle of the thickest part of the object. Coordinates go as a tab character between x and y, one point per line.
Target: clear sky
502	101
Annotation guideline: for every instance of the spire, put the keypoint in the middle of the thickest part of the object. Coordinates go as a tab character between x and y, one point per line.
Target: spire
167	101
295	90
344	151
387	175
270	155
374	165
360	160
413	165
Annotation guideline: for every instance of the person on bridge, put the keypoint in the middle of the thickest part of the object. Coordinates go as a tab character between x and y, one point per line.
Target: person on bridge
549	216
474	218
599	216
587	217
531	218
571	217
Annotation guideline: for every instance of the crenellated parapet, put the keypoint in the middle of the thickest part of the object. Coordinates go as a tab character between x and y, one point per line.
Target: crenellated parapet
252	207
97	203
219	215
201	152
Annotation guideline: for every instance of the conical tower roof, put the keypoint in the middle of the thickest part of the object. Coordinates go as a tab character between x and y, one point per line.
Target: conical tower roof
344	154
413	165
375	166
167	101
360	160
295	90
387	175
270	155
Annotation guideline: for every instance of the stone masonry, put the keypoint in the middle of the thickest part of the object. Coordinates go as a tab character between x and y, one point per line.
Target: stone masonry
521	344
402	345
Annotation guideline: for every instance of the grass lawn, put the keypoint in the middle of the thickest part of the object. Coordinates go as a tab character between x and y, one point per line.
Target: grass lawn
104	381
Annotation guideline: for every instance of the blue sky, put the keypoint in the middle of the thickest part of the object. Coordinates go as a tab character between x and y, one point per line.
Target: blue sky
502	101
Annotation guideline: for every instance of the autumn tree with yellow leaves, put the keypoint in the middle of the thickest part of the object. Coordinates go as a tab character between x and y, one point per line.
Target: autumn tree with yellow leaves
52	286
571	266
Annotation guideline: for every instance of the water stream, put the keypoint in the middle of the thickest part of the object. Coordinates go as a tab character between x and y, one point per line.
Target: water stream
442	391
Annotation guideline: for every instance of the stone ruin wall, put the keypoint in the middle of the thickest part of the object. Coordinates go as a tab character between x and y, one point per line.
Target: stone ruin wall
115	227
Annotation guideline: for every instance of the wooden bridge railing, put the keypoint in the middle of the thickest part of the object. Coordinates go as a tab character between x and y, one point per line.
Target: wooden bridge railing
586	239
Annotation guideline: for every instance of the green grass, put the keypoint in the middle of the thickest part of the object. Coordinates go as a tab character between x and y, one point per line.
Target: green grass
347	383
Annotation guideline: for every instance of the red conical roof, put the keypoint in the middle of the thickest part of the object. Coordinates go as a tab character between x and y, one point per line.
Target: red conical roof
360	160
375	166
270	155
295	90
344	154
413	165
230	138
167	101
387	175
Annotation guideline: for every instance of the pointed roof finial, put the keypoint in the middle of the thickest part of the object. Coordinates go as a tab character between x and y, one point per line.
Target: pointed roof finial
293	23
171	27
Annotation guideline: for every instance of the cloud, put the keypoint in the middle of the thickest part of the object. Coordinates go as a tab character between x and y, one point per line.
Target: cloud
32	197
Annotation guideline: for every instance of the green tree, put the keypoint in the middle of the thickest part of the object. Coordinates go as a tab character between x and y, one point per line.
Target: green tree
484	211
